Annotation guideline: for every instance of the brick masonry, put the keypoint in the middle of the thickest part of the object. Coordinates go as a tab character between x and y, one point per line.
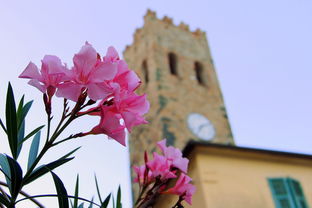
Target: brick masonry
174	96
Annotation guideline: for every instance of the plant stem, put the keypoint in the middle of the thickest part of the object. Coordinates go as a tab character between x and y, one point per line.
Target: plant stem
48	126
23	193
55	195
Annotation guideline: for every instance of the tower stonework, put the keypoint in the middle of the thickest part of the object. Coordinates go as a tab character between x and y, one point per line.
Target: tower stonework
180	81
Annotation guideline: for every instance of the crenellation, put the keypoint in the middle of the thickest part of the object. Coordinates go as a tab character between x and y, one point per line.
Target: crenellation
137	34
150	15
199	33
184	26
167	20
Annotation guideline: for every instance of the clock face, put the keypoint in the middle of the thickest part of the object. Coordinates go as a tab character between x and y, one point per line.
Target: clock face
201	126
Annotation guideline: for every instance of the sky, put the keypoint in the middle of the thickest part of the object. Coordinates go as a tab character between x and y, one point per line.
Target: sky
261	50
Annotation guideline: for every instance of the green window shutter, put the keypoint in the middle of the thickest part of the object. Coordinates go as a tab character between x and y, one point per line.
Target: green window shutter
297	193
281	193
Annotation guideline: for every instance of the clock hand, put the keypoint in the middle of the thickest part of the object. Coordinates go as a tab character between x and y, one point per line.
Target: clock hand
200	127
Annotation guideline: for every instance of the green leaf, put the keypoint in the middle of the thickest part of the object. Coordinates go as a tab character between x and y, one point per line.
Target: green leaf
20	137
25	110
76	193
16	177
4	201
43	169
33	152
61	191
20	111
3	127
97	189
5	169
106	201
70	153
118	203
31	134
80	205
11	122
91	203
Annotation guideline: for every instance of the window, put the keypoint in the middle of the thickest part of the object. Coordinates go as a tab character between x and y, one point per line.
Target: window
287	193
173	63
145	71
199	73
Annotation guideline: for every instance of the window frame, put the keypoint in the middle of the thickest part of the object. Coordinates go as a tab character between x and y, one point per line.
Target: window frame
291	195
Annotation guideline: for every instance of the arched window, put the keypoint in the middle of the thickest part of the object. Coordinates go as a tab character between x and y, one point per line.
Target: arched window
145	71
173	63
199	73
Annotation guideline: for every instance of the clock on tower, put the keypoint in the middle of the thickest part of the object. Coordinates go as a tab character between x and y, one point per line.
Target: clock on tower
180	81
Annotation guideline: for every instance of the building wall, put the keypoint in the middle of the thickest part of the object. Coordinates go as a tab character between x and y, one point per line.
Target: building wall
234	179
174	97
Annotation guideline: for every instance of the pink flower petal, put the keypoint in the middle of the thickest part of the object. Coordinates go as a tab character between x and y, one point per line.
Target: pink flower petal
30	72
98	91
104	71
37	84
85	60
52	65
111	55
69	90
132	119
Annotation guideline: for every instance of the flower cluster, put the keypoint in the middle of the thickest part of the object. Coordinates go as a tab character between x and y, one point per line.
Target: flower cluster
153	177
107	80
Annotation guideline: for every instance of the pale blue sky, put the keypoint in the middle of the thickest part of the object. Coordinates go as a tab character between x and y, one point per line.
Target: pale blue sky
261	49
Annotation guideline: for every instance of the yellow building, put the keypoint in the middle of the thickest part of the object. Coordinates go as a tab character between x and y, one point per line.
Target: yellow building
236	177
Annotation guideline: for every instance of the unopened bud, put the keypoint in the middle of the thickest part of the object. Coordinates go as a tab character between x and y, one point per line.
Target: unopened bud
51	91
47	103
91	102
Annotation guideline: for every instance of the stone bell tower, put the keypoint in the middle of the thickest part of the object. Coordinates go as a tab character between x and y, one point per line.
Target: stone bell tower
179	78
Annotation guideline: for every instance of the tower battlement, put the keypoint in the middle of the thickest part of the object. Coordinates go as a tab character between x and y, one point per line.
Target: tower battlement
151	18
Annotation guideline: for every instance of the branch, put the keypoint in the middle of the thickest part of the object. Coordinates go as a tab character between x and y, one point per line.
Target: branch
24	194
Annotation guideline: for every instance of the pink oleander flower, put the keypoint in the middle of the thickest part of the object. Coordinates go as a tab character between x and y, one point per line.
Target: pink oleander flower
140	171
89	73
110	125
125	78
183	188
131	107
51	74
160	167
174	155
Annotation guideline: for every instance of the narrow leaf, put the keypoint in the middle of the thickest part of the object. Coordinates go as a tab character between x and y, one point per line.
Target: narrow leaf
106	201
4	201
3	127
25	110
19	111
16	176
81	205
61	191
5	169
20	137
70	153
33	152
11	122
43	169
118	203
32	133
97	189
76	192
